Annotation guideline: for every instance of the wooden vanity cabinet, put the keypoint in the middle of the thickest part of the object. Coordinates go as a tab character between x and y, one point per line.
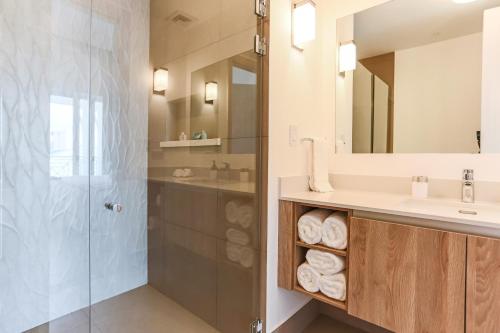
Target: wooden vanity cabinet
483	285
404	278
407	279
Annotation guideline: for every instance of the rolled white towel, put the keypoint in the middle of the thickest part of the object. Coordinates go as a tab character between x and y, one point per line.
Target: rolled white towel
233	251
246	257
334	231
231	210
309	225
308	278
334	286
324	262
245	216
237	236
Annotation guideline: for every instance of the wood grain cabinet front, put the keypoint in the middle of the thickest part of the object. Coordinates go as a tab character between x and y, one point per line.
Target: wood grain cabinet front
407	279
483	285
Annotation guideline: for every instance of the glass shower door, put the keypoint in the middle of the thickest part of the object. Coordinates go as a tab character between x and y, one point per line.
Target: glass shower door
204	163
118	144
44	178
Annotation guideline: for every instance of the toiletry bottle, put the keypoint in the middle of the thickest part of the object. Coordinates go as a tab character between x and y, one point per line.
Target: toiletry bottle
183	137
212	174
420	187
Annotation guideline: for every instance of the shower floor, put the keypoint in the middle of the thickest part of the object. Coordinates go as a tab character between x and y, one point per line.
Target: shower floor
138	311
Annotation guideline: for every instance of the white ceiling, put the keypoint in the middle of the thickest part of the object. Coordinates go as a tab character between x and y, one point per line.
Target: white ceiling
402	24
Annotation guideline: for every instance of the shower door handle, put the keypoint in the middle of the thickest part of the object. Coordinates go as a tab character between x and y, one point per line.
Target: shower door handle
115	207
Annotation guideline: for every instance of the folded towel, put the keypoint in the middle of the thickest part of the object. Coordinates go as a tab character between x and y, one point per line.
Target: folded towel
325	263
308	278
183	173
309	225
237	236
334	286
232	211
319	181
246	257
334	231
245	215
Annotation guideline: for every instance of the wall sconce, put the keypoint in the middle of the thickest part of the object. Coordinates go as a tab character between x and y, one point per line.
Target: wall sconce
160	81
211	92
347	57
303	23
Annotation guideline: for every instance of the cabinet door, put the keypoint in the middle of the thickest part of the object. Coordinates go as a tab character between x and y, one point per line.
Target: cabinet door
483	285
406	279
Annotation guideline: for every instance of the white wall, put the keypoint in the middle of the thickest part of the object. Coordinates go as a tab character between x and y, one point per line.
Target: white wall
302	87
301	94
437	97
362	110
490	117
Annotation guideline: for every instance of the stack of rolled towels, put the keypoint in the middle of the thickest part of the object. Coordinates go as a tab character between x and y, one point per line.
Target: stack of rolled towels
325	227
239	212
323	272
240	215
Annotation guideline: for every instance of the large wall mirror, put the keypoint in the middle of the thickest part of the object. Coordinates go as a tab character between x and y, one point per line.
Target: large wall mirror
419	77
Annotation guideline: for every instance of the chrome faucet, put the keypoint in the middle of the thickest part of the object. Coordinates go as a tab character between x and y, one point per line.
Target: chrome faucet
468	186
224	172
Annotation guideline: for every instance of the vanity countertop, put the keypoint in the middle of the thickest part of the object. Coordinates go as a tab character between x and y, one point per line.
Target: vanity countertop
448	211
223	185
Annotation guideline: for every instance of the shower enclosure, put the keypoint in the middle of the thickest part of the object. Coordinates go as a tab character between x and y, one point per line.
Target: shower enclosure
96	232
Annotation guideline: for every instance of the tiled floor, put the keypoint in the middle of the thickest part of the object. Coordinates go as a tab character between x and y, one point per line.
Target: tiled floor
143	310
324	324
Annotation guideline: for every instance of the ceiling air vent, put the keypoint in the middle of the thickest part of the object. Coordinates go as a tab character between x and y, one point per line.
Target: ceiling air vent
181	18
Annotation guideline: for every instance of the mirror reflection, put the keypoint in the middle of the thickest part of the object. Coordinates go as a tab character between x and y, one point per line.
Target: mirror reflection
422	78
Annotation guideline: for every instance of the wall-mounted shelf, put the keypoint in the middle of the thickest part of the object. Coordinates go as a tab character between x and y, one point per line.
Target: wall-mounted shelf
191	143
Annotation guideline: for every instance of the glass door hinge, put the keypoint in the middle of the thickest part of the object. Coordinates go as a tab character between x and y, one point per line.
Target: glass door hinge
261	8
260	45
256	326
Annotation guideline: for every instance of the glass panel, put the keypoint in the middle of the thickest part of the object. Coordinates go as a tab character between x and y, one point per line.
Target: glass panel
118	162
44	248
203	209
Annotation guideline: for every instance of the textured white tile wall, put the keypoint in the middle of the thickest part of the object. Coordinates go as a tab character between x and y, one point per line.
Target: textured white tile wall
45	257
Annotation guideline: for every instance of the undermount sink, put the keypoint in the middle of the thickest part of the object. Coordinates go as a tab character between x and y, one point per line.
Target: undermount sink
447	207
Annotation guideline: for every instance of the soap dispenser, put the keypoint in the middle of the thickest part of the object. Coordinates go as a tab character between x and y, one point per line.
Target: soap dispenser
212	174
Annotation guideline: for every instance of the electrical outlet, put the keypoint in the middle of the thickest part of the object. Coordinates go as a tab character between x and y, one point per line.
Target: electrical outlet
293	136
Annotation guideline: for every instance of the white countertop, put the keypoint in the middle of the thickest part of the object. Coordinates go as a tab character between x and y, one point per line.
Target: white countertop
488	214
223	185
